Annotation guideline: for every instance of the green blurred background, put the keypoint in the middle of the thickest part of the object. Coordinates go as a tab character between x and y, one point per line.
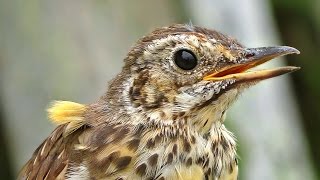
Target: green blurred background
69	50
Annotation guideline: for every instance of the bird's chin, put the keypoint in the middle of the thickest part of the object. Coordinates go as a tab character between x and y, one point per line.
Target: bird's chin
225	92
213	112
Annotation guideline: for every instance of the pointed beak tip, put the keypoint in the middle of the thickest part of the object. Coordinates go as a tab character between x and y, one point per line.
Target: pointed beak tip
294	68
290	50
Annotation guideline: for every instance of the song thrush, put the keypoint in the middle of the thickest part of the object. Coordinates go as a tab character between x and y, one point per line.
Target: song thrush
162	116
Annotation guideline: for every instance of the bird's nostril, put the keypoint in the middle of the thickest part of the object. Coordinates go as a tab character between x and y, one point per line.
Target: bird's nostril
249	54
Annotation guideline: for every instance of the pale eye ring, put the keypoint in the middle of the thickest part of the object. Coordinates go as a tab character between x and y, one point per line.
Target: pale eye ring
185	59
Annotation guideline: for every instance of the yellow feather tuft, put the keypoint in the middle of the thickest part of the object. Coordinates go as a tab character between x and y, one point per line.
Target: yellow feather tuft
62	112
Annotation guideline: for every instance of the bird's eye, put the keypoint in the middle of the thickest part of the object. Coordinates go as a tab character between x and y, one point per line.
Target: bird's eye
185	59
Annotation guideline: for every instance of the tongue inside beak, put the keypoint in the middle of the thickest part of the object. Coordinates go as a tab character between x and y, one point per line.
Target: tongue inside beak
254	57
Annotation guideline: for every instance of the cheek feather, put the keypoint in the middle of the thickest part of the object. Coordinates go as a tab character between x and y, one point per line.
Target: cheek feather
201	94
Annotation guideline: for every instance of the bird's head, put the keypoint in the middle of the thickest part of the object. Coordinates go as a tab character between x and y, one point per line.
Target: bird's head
187	71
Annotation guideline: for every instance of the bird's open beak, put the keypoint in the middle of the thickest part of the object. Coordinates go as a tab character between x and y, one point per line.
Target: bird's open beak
254	57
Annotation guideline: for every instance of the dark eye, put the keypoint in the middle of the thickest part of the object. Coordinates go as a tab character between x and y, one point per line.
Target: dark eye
185	59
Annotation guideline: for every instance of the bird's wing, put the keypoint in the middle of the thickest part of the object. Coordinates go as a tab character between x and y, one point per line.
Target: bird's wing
50	160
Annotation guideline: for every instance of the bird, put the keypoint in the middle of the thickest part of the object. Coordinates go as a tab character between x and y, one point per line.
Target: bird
162	117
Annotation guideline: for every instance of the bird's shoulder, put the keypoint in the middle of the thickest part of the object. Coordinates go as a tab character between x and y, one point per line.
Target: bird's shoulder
77	146
50	160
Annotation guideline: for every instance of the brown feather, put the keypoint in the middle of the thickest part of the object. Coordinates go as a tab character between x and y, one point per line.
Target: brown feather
51	157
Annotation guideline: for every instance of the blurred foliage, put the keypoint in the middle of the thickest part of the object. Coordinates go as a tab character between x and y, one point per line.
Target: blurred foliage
299	25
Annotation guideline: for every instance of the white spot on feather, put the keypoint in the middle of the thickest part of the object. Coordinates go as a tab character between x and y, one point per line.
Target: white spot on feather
80	172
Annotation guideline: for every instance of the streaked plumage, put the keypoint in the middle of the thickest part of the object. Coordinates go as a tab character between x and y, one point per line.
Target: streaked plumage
157	120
